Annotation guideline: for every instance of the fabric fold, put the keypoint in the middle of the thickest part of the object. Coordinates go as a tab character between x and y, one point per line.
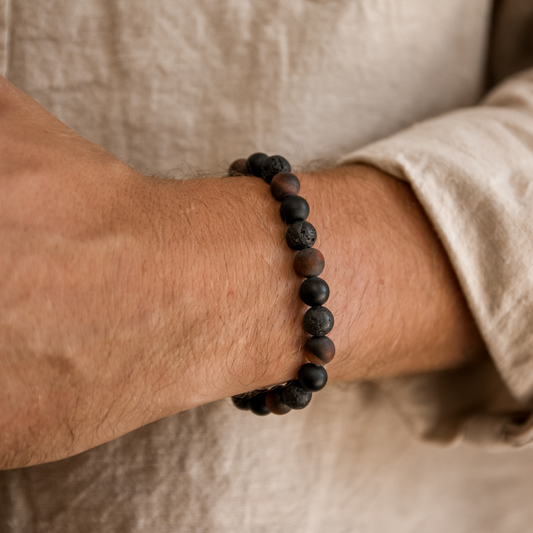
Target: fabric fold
472	171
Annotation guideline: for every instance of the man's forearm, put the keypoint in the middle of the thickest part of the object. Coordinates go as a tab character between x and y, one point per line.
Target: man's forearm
192	297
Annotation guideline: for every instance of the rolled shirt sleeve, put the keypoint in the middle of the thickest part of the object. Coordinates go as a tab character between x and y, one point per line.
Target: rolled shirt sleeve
472	171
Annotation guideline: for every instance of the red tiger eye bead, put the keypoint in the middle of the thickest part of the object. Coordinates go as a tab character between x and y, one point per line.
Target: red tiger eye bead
239	167
274	403
319	350
284	184
309	262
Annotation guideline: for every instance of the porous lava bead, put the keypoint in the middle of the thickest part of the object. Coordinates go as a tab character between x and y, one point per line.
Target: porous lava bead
312	377
254	163
272	165
283	184
318	321
309	262
319	350
274	403
239	167
301	235
314	291
241	401
258	405
294	208
295	396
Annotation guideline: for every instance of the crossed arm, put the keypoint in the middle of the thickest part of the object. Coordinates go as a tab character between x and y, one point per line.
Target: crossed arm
126	298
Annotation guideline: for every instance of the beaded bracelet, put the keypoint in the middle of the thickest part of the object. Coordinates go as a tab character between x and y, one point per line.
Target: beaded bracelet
314	291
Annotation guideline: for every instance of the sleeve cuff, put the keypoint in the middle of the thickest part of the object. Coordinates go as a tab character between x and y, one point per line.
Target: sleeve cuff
472	171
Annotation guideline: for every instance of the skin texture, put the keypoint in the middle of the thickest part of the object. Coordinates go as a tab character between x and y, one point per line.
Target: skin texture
126	298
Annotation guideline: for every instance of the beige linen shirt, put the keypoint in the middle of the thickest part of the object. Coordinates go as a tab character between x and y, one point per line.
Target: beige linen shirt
171	86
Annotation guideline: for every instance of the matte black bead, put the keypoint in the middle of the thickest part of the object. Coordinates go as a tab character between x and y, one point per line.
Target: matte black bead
319	350
272	165
241	401
258	405
314	291
312	377
254	162
318	321
239	167
294	208
301	235
295	396
309	262
283	184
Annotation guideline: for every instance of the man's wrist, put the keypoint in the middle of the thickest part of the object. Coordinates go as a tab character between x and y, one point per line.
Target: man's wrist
393	287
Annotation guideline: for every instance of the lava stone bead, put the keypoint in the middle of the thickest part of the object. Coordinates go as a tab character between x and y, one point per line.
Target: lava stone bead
314	291
309	262
318	321
319	350
274	403
241	401
312	377
254	163
294	208
258	405
283	184
295	396
301	235
272	165
239	167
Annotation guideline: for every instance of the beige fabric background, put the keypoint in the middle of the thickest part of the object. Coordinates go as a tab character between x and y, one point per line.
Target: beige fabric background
175	85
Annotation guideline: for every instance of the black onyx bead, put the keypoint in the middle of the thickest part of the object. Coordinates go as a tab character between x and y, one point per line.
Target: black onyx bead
314	291
318	321
301	235
295	396
274	403
241	401
309	262
283	184
272	165
319	350
239	167
294	208
254	163
258	405
312	377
